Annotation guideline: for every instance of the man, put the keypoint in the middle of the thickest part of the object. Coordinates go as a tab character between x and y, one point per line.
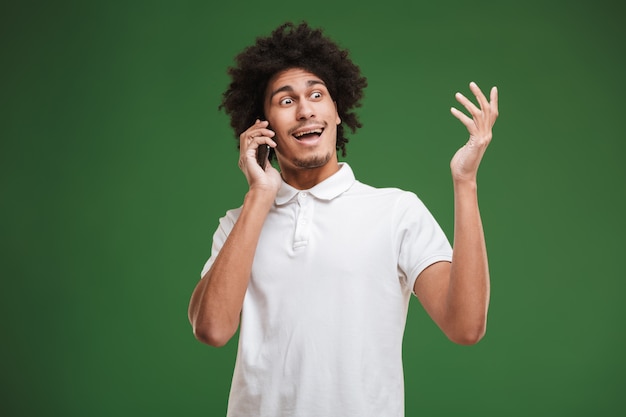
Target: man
317	268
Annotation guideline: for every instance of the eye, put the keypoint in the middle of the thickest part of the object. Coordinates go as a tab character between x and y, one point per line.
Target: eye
286	101
316	95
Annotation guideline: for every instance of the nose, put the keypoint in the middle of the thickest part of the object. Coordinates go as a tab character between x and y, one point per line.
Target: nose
305	110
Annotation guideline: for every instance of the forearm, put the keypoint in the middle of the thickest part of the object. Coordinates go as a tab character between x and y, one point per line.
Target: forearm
217	300
468	292
457	295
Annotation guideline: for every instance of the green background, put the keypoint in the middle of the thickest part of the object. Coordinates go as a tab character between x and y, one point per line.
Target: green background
115	166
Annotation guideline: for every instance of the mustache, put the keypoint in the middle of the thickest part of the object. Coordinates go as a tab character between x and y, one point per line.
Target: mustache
307	124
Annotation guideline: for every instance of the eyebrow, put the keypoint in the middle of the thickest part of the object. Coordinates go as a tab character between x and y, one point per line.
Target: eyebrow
289	89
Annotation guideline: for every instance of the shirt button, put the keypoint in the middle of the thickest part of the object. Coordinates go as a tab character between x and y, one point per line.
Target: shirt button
303	194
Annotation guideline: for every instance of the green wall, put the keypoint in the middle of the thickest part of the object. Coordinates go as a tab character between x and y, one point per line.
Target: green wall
115	166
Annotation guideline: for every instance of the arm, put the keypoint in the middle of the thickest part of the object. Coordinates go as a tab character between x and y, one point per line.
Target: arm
216	302
456	295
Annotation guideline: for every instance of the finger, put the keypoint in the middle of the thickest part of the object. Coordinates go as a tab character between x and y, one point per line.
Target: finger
494	100
249	152
264	140
257	123
259	130
259	137
480	97
467	121
467	103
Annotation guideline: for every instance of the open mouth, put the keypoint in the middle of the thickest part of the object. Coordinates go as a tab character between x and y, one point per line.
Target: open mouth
308	134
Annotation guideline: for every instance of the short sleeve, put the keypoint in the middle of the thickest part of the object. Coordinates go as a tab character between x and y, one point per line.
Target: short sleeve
420	239
224	228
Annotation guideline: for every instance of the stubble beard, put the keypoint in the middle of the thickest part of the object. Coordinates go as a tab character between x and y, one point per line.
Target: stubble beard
315	161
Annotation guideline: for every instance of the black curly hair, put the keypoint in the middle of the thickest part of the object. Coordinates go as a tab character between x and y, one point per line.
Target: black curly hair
290	46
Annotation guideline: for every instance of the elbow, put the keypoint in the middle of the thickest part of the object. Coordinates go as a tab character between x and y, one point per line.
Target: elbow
468	337
467	340
209	330
211	336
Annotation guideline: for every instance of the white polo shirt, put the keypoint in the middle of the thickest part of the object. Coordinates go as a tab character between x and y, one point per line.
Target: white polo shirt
324	314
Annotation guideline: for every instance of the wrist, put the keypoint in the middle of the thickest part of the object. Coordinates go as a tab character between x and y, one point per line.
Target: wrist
259	198
465	184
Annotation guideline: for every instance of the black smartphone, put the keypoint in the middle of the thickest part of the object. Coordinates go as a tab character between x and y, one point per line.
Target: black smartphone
263	152
262	155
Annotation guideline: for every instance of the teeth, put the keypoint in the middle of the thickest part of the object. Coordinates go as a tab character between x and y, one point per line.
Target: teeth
299	134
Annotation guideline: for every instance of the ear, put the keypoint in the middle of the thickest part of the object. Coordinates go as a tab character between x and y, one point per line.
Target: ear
338	120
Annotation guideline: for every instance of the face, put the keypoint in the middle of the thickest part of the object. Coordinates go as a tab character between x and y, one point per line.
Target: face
304	117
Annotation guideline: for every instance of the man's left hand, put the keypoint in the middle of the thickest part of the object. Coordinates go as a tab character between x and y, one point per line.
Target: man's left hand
464	164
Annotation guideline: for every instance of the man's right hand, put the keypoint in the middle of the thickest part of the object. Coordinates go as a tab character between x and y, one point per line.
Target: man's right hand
265	180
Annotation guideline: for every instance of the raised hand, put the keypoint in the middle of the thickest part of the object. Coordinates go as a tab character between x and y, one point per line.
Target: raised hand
464	164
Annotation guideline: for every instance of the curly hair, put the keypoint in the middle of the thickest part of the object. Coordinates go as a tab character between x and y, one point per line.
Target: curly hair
290	46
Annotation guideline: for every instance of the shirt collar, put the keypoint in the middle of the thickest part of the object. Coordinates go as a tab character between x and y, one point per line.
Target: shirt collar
328	189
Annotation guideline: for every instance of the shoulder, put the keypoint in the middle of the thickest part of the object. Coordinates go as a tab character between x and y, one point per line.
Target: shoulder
390	195
228	220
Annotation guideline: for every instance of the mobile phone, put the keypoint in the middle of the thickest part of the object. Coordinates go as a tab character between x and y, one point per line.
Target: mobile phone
262	155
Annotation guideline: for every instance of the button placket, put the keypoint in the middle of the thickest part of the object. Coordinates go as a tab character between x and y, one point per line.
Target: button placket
305	208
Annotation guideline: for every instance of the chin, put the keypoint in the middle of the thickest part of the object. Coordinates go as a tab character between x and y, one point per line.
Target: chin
315	161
